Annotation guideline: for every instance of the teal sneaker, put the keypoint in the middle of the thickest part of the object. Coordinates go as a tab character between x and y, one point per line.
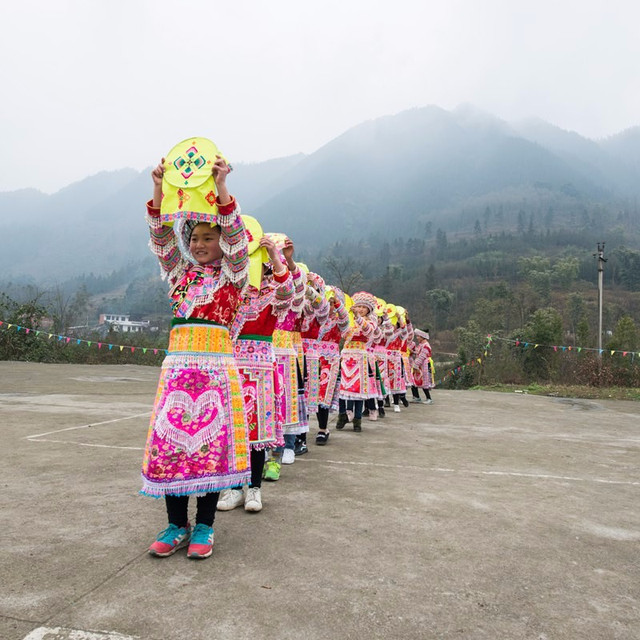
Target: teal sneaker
201	545
170	540
272	471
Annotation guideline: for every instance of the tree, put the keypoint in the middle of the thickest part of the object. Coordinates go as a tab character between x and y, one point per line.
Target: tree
347	271
565	271
430	278
625	335
544	329
575	310
439	301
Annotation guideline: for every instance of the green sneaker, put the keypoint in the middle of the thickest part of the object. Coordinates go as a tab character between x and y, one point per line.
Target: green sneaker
272	471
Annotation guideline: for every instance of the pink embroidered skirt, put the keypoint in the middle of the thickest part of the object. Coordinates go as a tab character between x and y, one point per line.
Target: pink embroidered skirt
354	376
396	378
329	361
257	366
197	440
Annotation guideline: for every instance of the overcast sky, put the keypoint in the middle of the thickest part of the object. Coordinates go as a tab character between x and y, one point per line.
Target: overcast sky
89	85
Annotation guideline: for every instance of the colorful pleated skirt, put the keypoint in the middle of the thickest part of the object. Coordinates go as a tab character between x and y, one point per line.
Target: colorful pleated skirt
197	441
257	366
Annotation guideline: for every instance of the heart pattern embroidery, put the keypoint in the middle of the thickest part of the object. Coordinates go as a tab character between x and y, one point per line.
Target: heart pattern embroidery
190	424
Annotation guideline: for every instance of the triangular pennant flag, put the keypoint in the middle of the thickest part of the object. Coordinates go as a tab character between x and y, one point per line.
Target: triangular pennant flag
27	329
479	361
579	349
121	347
613	351
99	345
155	351
144	350
536	346
624	353
555	348
89	343
37	333
110	347
77	341
19	327
9	326
133	349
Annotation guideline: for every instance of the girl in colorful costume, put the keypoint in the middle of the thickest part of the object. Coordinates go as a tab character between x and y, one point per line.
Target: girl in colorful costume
405	352
267	299
380	359
315	315
354	366
423	369
332	331
197	440
291	384
397	384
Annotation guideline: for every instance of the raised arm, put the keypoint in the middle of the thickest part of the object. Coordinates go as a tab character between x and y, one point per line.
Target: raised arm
163	240
233	239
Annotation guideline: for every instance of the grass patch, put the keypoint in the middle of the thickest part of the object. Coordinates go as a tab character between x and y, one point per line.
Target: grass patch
566	391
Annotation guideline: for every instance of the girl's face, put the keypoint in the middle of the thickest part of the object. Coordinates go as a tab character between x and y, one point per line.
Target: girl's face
205	243
361	310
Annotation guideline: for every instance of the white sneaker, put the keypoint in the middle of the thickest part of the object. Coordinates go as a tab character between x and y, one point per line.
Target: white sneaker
396	408
414	399
230	499
429	401
288	456
253	500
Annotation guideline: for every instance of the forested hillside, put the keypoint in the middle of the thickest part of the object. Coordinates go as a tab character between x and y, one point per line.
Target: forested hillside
468	221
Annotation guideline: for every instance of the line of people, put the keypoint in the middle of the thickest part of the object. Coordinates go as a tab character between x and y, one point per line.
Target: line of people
258	344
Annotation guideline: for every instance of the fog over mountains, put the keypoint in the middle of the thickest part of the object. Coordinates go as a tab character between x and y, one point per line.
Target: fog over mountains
382	178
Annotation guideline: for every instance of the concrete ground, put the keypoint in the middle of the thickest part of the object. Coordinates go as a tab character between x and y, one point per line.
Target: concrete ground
484	515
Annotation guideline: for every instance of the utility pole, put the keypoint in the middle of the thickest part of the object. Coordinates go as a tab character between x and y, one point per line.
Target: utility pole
601	261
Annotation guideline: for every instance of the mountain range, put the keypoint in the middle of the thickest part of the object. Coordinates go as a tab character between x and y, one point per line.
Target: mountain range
381	179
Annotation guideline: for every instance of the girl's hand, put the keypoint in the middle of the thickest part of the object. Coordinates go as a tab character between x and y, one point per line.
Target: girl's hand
220	171
274	255
287	251
158	173
270	246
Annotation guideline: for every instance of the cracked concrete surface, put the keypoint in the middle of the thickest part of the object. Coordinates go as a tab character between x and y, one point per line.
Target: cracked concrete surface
484	515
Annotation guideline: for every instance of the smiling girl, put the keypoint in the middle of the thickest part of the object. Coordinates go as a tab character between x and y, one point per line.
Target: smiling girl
197	441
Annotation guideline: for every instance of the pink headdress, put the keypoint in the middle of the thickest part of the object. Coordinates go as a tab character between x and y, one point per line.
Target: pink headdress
316	281
365	299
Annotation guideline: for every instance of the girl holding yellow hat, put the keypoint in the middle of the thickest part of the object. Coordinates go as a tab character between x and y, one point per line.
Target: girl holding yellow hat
197	440
252	333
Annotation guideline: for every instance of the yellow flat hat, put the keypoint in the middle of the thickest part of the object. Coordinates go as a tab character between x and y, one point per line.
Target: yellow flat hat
278	239
253	231
380	306
188	187
257	255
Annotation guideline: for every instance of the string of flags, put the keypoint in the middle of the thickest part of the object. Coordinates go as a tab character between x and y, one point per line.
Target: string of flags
560	348
452	372
471	363
532	345
79	341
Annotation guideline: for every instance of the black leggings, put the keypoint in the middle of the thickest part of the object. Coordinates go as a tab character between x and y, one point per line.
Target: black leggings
258	457
352	405
178	509
323	417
